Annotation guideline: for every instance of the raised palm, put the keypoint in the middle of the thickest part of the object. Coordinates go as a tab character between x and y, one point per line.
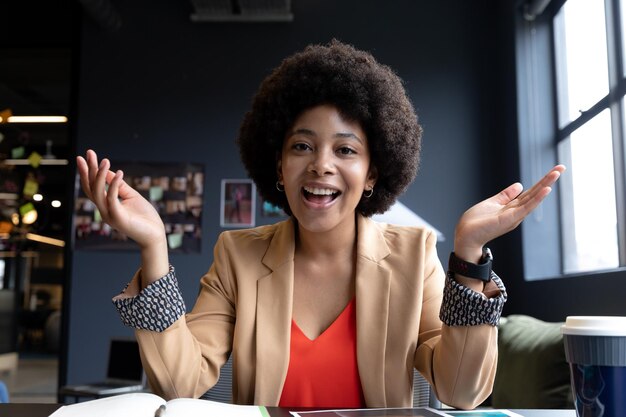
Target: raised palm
501	213
121	206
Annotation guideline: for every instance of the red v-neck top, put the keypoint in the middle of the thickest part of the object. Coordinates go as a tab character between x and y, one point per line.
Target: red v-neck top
323	372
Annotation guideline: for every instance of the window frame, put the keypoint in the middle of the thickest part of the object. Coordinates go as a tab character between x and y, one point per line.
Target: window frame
543	237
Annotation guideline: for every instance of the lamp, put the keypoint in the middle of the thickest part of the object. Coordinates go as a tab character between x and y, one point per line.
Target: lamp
45	239
6	116
37	119
28	213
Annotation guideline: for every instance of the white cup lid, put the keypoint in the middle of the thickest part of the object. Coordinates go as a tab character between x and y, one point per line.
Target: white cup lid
594	326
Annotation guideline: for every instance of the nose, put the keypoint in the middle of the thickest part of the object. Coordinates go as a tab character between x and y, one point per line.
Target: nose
322	162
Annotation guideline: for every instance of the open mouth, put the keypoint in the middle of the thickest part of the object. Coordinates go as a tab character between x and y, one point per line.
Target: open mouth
320	195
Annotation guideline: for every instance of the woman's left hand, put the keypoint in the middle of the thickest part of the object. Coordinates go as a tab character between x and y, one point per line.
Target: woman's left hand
498	215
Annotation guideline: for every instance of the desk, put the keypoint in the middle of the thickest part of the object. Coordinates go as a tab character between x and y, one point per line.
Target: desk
44	410
27	410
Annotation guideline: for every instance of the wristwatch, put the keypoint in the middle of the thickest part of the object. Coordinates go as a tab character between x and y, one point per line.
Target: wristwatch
481	271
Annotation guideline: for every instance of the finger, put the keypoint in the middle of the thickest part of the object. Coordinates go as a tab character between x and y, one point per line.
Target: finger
539	187
113	195
532	201
83	174
526	202
98	187
552	175
523	211
125	191
514	215
507	195
92	166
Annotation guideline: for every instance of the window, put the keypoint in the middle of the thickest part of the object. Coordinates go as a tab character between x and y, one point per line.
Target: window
571	85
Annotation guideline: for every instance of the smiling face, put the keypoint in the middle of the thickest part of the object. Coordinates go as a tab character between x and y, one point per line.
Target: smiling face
325	168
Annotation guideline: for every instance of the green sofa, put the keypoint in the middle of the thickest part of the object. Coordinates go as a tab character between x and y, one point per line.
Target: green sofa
532	371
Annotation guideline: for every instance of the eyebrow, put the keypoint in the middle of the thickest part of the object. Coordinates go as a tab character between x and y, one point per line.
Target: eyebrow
309	132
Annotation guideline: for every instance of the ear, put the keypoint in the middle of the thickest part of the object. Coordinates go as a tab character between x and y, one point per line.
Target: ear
372	177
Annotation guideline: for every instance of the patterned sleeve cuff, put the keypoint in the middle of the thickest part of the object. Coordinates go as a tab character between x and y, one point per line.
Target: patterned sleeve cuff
156	307
462	306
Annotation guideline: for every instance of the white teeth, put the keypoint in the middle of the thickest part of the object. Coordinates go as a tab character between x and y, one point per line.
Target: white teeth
320	191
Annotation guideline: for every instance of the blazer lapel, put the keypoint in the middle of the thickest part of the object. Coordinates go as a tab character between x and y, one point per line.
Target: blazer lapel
372	294
274	312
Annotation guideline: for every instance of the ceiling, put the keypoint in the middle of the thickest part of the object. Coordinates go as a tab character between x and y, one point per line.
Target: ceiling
241	11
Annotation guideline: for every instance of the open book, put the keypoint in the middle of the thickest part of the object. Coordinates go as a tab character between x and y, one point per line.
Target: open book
151	405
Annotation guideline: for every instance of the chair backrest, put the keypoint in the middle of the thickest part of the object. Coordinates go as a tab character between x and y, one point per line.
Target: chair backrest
423	395
223	390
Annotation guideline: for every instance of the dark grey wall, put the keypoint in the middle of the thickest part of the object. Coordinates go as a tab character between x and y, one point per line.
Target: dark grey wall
164	89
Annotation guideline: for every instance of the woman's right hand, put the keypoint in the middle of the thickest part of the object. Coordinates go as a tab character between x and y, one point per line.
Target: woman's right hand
121	206
124	209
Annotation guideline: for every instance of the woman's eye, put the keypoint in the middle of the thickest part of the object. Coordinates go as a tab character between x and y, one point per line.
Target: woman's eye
301	146
346	151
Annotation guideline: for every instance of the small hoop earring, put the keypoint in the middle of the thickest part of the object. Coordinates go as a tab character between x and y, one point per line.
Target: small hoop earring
279	185
368	195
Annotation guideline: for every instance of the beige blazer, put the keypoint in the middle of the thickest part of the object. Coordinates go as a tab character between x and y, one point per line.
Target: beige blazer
245	307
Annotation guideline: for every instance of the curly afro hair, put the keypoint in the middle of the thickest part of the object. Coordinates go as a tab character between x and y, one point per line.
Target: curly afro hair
362	89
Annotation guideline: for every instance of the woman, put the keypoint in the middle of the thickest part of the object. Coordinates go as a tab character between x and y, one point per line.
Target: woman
327	308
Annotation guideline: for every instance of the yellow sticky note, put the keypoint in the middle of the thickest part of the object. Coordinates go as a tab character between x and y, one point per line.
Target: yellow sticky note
30	187
34	159
26	208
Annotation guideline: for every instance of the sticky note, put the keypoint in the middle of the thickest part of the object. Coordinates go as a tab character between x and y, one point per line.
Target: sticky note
26	208
156	193
17	152
175	240
34	159
30	187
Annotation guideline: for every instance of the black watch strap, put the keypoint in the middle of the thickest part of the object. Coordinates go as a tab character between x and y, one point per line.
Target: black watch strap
481	271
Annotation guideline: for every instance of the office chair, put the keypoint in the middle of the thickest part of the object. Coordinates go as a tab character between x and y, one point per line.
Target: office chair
223	390
423	395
